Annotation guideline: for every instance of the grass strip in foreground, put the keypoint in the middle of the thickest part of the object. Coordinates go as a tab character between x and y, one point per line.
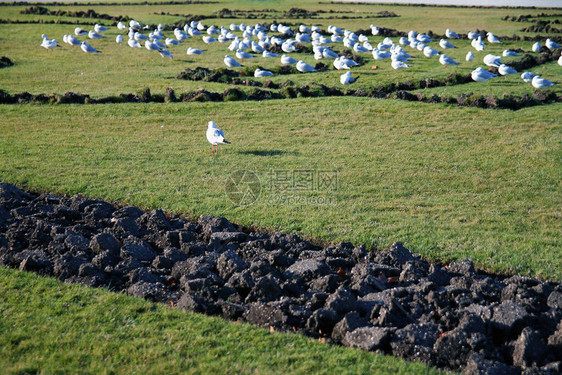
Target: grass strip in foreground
49	327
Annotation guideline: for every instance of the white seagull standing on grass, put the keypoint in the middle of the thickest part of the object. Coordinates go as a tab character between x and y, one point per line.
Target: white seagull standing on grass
304	67
481	75
550	44
88	48
528	77
196	51
215	137
346	78
506	70
451	34
446	60
541	83
262	73
230	62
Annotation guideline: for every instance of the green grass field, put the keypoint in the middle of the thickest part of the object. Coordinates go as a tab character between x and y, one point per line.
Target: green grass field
449	182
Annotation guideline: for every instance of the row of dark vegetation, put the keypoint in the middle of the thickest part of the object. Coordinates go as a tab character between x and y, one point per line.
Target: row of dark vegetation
530	17
90	13
437	5
288	90
80	3
50	22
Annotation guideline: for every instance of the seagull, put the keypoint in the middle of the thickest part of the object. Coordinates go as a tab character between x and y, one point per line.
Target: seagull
381	55
93	35
257	48
536	47
473	36
423	38
469	56
79	31
492	38
346	79
336	39
230	62
329	54
151	46
446	60
171	42
48	43
288	46
70	39
88	48
359	48
478	44
445	44
180	35
541	83
262	73
509	52
451	34
550	44
119	39
269	54
339	64
243	55
428	51
560	61
194	51
140	37
133	43
209	39
193	32
347	61
212	30
166	54
304	67
492	60
505	70
135	25
288	60
100	28
527	77
481	75
375	30
400	55
215	137
121	26
397	64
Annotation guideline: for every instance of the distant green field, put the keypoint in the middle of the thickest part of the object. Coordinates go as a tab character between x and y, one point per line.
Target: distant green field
449	182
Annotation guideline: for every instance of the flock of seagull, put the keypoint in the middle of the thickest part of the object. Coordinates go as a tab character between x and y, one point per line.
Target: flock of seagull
387	49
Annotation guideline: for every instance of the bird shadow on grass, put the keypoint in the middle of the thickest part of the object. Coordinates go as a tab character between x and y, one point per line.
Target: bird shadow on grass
266	152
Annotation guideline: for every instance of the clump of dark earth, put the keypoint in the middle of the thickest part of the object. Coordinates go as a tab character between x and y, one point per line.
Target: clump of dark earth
5	62
392	301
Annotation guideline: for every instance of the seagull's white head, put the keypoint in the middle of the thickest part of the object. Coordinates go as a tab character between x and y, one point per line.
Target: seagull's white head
211	124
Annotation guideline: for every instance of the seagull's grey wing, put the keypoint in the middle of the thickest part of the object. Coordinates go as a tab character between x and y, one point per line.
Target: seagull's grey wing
218	134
